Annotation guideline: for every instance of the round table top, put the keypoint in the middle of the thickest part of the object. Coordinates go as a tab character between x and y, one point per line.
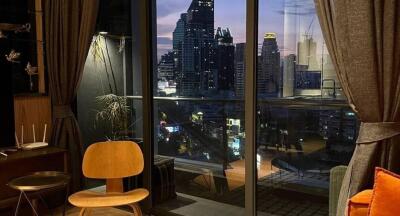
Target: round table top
39	181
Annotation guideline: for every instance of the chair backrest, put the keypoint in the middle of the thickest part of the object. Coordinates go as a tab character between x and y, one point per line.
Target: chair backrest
112	159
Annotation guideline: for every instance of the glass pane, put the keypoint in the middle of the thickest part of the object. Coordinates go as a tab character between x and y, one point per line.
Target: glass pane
111	79
199	104
304	125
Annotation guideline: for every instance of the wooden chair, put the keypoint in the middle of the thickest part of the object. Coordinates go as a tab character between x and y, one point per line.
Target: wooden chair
111	161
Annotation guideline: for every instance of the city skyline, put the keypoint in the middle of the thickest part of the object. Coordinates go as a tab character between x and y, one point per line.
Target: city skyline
199	61
288	19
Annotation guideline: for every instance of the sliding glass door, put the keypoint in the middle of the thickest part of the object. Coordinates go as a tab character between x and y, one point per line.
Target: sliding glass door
304	124
199	101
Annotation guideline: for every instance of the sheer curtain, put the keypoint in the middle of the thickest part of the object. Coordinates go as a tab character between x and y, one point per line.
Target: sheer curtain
69	26
363	39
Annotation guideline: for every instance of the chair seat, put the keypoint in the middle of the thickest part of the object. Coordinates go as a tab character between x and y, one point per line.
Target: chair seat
91	199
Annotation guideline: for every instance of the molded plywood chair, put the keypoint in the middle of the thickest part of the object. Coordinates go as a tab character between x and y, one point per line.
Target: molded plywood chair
111	161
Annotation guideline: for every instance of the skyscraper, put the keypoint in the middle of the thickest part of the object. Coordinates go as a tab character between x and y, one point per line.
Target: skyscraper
225	59
289	70
270	78
239	69
308	71
177	40
179	32
198	49
165	67
307	53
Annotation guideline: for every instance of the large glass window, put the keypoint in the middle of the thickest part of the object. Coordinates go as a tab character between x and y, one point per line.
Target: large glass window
199	98
304	125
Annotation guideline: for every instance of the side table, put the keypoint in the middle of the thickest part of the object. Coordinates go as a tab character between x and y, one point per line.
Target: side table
39	181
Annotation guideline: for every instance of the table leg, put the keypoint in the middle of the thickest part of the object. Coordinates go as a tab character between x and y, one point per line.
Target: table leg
27	199
19	202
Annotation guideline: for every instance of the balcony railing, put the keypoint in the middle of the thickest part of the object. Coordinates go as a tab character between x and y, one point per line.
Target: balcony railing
211	130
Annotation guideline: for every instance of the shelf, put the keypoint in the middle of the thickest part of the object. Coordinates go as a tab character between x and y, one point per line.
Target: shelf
10	27
22	40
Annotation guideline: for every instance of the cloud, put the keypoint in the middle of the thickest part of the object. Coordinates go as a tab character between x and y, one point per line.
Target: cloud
167	7
164	40
165	30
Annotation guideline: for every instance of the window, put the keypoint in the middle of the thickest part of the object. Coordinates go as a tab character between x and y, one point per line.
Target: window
200	117
304	125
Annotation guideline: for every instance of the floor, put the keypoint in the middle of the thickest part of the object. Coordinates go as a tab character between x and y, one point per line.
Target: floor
187	205
196	206
271	202
280	193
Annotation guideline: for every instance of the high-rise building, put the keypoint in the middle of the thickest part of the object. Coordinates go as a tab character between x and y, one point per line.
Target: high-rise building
261	78
270	78
239	69
225	60
308	72
177	40
179	32
166	67
289	70
307	53
198	49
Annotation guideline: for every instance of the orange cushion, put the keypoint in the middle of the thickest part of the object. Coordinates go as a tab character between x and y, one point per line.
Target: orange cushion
358	204
386	194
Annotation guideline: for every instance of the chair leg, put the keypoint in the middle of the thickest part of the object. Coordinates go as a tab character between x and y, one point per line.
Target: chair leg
82	212
89	211
136	209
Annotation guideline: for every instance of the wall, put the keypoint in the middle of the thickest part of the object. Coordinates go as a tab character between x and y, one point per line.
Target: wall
31	110
95	83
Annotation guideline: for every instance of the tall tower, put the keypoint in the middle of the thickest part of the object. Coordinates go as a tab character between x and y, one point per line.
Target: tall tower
289	70
239	69
177	41
198	49
307	53
270	78
225	59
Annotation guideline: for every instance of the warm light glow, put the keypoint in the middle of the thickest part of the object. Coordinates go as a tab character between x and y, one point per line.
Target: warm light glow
270	35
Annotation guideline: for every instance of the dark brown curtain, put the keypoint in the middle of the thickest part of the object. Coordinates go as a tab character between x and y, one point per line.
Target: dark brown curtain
69	26
363	39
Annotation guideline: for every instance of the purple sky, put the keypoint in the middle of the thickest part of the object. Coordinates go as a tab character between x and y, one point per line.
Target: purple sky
290	19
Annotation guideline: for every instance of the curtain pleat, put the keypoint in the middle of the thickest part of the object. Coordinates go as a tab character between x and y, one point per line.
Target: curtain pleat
363	39
69	26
